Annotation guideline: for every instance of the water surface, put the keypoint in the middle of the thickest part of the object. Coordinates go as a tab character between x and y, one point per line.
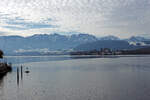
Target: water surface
119	78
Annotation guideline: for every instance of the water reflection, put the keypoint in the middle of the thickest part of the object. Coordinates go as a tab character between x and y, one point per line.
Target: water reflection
2	76
20	73
27	59
1	81
80	79
1	88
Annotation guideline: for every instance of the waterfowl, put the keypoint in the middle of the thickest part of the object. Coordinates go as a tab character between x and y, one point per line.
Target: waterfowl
27	71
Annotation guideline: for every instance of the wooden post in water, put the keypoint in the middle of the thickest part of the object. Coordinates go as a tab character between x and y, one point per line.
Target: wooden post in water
17	76
21	72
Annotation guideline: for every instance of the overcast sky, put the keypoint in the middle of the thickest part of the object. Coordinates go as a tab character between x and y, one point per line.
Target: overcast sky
121	18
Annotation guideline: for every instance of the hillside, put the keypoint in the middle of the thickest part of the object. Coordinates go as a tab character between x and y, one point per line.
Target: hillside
112	44
145	50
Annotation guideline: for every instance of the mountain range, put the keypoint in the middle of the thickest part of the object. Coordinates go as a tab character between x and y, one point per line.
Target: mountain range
57	42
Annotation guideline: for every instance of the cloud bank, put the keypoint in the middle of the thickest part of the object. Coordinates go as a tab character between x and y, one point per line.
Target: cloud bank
121	18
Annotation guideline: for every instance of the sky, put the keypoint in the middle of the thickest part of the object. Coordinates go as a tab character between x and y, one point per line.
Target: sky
122	18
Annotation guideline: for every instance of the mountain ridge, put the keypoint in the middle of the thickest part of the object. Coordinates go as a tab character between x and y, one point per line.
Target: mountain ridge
56	41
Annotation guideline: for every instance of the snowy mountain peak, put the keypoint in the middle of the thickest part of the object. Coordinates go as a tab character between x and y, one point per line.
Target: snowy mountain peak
110	37
137	39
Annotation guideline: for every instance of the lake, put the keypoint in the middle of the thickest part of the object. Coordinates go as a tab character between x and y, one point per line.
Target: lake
77	78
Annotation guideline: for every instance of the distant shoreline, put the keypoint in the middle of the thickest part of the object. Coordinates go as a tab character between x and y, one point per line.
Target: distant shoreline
83	56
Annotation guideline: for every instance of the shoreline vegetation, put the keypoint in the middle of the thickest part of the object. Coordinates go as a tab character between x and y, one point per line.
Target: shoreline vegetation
4	66
107	51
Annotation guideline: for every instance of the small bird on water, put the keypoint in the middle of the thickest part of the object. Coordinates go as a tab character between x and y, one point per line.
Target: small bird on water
27	71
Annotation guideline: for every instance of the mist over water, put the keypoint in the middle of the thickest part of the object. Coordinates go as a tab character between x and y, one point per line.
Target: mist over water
121	78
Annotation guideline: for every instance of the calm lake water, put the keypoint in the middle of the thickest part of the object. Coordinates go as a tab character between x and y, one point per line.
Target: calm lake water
66	78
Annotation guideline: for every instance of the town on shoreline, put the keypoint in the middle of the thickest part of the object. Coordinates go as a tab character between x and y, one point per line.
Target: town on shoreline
108	51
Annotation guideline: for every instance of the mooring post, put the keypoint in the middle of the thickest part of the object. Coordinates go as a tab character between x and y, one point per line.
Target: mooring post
21	72
17	76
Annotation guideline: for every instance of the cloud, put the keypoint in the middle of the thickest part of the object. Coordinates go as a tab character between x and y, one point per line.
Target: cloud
18	23
2	33
14	27
27	25
99	17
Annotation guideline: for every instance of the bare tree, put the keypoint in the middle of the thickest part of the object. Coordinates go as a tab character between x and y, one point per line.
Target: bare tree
1	54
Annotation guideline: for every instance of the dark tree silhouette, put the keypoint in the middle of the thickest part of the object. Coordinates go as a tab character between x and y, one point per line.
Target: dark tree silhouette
1	54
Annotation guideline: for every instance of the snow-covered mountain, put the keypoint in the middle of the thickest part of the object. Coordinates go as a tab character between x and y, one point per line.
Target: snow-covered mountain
54	41
138	41
57	42
110	37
